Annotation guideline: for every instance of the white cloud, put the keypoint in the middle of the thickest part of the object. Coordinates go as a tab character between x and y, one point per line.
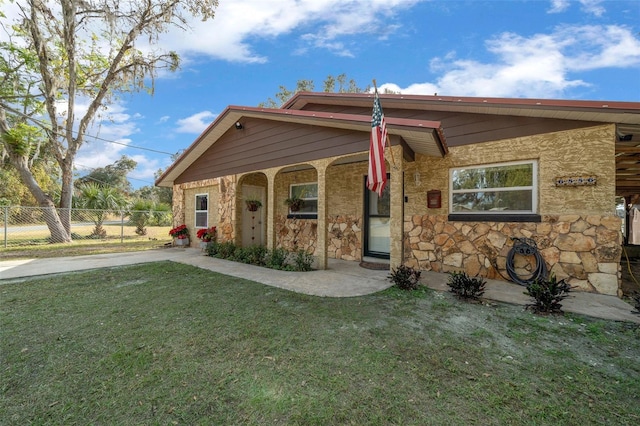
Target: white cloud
96	154
108	137
593	7
414	89
558	6
238	22
195	123
145	169
597	46
536	66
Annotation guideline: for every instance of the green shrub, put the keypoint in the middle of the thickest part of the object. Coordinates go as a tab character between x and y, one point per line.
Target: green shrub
405	277
254	255
161	215
212	249
302	261
226	250
547	294
238	255
277	258
466	287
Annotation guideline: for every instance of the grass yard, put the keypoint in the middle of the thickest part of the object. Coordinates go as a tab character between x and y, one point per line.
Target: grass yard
112	244
166	343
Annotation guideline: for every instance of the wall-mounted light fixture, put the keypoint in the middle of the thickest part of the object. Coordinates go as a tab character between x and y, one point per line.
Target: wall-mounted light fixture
416	178
239	125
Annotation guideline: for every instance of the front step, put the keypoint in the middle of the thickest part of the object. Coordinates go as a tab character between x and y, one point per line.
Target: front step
375	263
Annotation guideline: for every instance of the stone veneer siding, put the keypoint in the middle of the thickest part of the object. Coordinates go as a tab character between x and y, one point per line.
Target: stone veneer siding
585	250
345	236
226	208
296	234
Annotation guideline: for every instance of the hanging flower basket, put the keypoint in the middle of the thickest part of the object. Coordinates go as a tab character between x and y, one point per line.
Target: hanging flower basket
253	205
294	203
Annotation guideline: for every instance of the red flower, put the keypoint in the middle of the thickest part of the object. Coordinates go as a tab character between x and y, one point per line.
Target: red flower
207	234
180	232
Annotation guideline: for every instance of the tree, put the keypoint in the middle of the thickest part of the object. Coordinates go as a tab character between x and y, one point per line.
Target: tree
114	175
147	212
329	85
100	201
64	53
157	194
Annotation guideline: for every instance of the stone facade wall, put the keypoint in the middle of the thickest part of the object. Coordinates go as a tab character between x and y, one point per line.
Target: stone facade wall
184	204
345	237
584	250
226	208
296	234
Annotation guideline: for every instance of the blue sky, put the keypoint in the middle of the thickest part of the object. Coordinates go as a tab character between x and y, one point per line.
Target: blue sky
564	49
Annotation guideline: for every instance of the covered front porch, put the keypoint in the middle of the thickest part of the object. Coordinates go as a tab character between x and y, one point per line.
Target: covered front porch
341	218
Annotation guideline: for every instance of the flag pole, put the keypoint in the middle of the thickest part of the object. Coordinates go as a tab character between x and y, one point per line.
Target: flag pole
387	141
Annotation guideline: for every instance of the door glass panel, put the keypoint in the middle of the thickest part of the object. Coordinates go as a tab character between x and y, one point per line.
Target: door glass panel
378	230
379	240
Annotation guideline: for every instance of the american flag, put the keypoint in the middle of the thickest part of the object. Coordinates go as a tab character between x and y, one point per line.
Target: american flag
377	178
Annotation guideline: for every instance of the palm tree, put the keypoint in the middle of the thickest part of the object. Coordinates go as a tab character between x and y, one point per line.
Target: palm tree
99	200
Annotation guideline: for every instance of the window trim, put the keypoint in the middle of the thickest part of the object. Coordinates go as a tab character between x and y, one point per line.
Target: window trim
196	211
496	215
303	215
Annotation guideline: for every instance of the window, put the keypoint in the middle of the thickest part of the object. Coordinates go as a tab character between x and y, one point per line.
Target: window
507	188
202	210
309	193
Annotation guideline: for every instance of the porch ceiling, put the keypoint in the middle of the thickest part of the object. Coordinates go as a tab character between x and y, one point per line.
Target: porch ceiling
628	160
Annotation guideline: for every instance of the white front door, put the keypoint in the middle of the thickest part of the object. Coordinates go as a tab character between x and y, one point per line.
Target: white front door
252	229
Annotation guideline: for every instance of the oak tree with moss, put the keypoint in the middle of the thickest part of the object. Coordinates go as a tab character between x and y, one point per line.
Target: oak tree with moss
60	55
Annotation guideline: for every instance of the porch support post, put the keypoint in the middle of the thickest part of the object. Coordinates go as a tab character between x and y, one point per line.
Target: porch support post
271	207
321	248
396	225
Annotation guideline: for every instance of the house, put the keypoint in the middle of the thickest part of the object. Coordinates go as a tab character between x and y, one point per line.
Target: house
466	176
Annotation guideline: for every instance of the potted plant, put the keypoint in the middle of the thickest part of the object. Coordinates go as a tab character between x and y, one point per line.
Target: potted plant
206	235
253	204
180	235
295	203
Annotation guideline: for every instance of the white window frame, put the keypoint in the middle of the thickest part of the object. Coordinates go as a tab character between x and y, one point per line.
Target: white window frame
533	188
304	198
195	214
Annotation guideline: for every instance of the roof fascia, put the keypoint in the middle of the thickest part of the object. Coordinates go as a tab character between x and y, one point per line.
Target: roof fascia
301	99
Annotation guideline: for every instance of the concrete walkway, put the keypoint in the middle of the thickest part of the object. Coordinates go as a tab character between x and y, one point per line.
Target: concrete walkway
342	279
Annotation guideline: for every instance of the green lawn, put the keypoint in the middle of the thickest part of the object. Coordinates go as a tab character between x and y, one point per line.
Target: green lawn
166	343
82	247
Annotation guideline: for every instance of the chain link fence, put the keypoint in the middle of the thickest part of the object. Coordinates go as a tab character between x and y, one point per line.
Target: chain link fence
27	226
